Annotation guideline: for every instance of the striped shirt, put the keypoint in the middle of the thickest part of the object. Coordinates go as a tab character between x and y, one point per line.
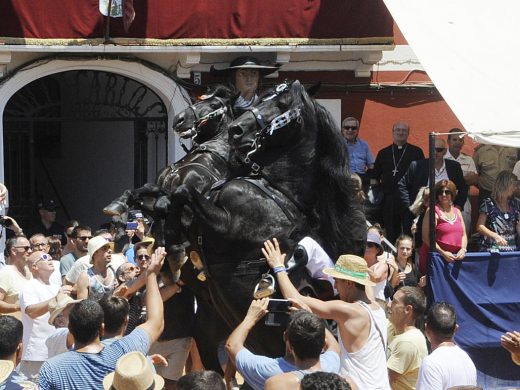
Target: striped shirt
82	371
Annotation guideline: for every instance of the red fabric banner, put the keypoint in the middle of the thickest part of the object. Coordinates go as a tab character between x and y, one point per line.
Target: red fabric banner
199	19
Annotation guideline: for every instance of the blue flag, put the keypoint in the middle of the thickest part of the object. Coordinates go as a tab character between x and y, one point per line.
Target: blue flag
485	291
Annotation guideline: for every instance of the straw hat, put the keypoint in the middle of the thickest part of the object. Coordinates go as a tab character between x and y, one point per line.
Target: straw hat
59	303
133	372
351	267
147	243
96	244
245	62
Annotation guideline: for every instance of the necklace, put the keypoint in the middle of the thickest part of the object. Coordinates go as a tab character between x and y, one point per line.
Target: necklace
447	218
506	208
394	171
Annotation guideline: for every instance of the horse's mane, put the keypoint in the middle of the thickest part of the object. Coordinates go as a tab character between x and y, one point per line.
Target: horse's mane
341	220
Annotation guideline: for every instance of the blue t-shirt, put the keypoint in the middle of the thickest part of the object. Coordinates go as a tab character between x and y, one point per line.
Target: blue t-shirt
360	156
130	254
66	263
256	369
83	371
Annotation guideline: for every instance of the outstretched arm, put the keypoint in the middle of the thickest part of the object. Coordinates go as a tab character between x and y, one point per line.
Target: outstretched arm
38	309
236	340
154	305
5	307
275	259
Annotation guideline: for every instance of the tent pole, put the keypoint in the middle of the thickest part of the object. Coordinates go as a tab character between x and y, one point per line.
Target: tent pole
432	194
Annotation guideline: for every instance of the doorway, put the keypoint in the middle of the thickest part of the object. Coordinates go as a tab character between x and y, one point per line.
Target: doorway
81	138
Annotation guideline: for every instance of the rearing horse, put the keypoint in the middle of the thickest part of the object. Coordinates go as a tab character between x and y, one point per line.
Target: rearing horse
301	187
207	162
206	122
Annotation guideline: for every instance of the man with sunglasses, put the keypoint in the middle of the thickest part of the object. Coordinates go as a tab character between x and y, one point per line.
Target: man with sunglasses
34	304
361	158
15	275
455	144
417	176
39	243
80	237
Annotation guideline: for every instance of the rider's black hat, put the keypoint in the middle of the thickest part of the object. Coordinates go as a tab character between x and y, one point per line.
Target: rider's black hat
245	62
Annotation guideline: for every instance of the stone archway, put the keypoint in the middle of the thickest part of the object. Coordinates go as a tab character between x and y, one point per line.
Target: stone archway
173	99
173	96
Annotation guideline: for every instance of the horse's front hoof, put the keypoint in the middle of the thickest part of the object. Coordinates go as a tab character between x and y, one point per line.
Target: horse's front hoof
162	205
115	208
176	258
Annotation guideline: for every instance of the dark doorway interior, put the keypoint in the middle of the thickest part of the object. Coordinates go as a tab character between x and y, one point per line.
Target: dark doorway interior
81	138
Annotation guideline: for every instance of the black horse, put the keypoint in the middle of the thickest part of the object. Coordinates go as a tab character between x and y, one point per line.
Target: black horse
206	122
207	162
301	187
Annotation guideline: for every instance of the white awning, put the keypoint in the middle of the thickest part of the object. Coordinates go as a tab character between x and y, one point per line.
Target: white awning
471	52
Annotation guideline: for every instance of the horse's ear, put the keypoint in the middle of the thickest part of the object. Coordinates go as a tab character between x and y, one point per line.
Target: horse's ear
313	89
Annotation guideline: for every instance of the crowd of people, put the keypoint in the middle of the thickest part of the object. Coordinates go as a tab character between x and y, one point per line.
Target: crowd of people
80	311
400	175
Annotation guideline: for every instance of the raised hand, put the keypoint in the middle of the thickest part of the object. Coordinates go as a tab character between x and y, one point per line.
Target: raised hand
271	251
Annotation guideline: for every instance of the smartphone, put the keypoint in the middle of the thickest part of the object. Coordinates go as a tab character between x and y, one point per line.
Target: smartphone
278	305
277	319
131	225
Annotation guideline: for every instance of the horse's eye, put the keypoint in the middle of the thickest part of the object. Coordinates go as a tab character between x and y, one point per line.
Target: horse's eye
214	105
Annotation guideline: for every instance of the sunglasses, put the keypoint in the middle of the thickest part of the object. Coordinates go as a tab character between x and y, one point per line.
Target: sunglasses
445	192
143	257
372	245
350	127
25	248
84	238
131	269
44	257
40	245
440	150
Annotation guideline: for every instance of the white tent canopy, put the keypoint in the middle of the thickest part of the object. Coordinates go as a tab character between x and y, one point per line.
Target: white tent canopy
471	51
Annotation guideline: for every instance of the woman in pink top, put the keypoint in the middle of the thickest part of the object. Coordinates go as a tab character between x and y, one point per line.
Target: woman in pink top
450	232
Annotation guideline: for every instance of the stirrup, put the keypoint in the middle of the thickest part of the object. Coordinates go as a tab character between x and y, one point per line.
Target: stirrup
265	287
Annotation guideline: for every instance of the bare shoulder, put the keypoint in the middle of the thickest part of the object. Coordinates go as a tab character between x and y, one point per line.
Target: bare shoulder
282	381
346	309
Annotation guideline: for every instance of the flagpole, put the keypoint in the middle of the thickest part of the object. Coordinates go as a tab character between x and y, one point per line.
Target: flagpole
107	23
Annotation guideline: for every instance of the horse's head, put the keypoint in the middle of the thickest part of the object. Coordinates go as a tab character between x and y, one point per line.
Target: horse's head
276	122
201	121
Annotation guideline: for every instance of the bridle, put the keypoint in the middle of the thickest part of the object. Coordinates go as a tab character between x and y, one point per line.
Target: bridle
268	129
202	120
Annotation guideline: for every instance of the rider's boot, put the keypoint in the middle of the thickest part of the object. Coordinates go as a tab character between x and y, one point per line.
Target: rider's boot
119	205
299	259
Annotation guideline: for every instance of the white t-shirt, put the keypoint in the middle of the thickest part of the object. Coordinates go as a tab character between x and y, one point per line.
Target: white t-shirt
56	275
80	265
12	281
57	342
36	331
466	162
446	367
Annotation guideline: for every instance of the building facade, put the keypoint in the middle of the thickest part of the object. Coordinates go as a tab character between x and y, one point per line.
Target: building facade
86	106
